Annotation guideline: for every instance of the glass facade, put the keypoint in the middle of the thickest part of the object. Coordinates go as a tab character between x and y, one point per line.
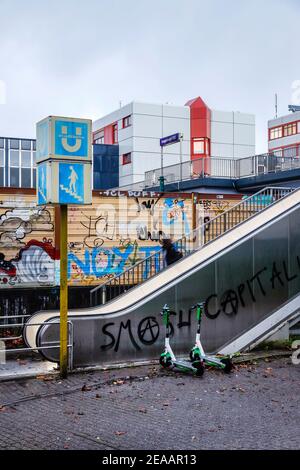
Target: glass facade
105	166
18	164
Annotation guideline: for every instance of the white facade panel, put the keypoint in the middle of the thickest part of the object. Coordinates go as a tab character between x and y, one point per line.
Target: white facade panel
113	117
176	111
147	126
221	116
290	140
174	125
222	132
243	151
244	118
125	133
126	146
244	134
292	117
222	150
147	108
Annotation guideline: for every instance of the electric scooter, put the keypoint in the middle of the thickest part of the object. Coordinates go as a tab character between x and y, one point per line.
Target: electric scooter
168	359
197	353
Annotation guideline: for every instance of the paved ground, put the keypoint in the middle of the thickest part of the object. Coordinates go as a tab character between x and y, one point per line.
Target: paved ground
257	406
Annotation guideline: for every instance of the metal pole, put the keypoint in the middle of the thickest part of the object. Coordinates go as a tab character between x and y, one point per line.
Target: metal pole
180	143
161	178
63	290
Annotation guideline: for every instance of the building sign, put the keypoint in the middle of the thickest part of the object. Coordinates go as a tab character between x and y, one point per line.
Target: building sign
64	139
170	139
64	155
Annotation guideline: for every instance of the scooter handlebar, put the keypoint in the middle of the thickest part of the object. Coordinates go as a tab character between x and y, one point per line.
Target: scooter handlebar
199	304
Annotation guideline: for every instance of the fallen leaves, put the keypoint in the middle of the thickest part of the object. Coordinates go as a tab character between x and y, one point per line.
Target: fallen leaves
120	433
86	388
268	372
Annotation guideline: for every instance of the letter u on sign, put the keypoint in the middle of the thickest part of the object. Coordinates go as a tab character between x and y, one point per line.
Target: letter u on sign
65	143
71	138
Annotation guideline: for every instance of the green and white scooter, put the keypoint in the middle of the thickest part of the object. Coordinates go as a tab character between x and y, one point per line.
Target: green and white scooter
168	359
197	353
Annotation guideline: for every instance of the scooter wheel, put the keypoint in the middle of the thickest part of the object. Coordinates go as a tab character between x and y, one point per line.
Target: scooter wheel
228	365
165	361
194	356
200	369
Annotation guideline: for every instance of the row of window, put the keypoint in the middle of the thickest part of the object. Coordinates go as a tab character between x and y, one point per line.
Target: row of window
19	170
284	130
17	144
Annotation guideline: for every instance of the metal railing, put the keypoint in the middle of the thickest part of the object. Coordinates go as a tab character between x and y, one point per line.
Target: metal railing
205	233
17	334
217	167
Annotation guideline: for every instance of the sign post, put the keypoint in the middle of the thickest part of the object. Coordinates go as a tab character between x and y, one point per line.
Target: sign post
63	290
164	141
64	158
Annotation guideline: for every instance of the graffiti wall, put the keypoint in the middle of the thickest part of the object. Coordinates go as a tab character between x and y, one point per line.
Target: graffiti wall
27	249
115	232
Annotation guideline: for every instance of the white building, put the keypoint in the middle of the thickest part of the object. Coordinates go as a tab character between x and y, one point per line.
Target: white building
138	127
284	135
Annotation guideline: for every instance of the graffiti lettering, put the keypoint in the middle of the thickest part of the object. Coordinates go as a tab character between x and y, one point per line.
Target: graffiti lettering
230	300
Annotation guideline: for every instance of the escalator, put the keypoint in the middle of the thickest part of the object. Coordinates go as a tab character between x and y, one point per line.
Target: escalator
245	264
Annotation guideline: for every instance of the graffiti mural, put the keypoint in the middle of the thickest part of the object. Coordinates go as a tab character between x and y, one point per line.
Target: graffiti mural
114	233
34	264
16	223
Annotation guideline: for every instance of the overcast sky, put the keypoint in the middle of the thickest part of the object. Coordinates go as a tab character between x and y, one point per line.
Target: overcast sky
81	58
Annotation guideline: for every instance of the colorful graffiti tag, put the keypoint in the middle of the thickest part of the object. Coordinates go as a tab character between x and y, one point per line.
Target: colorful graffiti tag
104	239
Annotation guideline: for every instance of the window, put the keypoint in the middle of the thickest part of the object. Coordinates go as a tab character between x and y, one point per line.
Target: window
1	143
14	144
115	133
25	159
199	146
127	121
14	158
34	145
25	144
14	177
34	178
126	158
99	137
276	133
25	178
290	129
1	157
34	159
290	152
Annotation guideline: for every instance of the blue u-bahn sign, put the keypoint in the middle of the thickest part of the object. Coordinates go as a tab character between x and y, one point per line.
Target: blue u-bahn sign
64	154
170	139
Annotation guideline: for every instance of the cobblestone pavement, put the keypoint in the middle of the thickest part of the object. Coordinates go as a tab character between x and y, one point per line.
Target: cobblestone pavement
256	406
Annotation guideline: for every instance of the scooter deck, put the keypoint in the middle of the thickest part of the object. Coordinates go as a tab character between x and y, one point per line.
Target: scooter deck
212	360
183	365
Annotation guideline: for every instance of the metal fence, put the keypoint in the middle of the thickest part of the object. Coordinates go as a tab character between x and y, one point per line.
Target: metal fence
217	167
199	237
12	343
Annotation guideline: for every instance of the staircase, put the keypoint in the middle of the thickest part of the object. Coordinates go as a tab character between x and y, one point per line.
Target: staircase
200	237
